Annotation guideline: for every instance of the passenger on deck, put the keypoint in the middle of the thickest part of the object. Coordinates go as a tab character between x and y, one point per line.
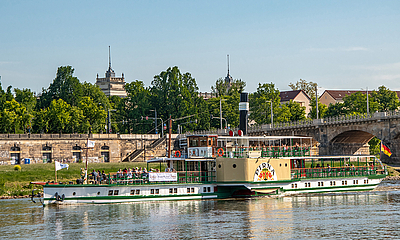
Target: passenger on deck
119	173
94	175
129	174
104	176
328	167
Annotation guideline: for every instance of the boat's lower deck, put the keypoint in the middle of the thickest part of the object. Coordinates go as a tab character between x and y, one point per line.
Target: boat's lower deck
77	194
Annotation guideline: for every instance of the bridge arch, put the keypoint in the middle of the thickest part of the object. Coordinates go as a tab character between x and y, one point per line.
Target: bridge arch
350	142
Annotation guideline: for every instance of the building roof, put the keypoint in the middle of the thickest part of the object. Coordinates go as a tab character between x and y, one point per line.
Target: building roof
290	95
340	94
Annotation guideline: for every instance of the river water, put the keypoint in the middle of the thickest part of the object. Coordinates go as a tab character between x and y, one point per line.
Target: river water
359	215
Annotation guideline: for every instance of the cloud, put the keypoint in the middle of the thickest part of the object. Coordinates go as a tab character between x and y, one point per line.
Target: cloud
348	49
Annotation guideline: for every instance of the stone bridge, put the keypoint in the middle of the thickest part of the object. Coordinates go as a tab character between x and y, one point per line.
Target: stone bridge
344	134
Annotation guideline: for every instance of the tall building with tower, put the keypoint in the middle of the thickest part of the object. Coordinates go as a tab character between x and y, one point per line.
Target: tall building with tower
228	78
111	85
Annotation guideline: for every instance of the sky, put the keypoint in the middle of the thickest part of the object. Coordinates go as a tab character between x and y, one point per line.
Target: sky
337	44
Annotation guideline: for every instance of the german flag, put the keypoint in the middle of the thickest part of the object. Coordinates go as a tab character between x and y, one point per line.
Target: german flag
385	150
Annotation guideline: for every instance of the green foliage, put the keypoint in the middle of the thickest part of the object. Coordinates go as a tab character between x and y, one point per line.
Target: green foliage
296	111
336	109
260	105
17	168
374	146
175	94
356	103
307	87
58	115
322	109
387	100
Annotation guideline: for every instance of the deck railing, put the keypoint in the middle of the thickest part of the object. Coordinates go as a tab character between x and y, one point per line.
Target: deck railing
327	172
143	178
265	152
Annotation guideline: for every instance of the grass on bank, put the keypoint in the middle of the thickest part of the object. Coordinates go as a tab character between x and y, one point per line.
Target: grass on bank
17	183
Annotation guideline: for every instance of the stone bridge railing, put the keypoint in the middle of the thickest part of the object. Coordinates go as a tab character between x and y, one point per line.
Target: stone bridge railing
325	121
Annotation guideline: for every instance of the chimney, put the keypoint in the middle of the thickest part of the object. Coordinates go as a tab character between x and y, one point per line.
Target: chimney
243	109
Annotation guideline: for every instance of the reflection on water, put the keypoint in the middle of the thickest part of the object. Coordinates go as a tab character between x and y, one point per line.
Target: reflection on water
345	215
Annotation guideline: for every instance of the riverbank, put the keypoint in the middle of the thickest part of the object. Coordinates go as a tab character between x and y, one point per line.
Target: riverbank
17	183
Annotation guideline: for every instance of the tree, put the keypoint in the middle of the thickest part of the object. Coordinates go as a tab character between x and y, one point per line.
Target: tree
356	103
65	86
58	115
221	88
387	100
175	94
307	87
94	92
93	113
260	105
27	98
14	117
322	109
297	112
337	109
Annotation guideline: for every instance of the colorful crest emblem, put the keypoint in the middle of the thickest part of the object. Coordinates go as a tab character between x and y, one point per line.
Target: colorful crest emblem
264	172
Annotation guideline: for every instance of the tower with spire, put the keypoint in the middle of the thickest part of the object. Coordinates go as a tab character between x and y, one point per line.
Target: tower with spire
228	78
111	85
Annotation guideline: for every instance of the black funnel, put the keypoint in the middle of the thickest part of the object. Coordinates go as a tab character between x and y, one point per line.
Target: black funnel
244	110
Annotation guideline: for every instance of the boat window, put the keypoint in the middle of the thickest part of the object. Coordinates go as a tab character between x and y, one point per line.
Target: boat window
204	189
193	142
308	184
209	189
116	192
110	192
188	190
209	142
137	191
151	191
170	190
175	190
203	142
132	192
192	190
98	193
234	165
157	191
74	193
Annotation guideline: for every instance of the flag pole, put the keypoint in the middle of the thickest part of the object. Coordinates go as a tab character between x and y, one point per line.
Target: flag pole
86	166
55	170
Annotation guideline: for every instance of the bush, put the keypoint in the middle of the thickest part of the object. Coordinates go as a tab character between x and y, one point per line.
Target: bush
17	168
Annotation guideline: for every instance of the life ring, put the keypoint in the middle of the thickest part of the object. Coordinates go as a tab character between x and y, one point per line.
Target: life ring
177	154
220	152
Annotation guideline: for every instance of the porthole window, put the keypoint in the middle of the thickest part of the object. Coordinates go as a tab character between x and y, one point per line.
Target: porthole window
74	193
98	193
285	164
204	189
219	166
209	189
234	165
280	164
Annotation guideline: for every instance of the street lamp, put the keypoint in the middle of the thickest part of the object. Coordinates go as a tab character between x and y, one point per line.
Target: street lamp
220	109
226	123
155	119
180	125
367	102
272	114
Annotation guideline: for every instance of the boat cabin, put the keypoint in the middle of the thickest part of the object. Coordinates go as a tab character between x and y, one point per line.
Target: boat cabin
202	146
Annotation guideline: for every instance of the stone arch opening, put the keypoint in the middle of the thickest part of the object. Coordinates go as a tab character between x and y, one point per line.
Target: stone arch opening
350	142
46	154
15	154
76	153
105	153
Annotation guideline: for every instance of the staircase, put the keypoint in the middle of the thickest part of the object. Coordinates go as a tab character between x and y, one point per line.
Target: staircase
139	152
